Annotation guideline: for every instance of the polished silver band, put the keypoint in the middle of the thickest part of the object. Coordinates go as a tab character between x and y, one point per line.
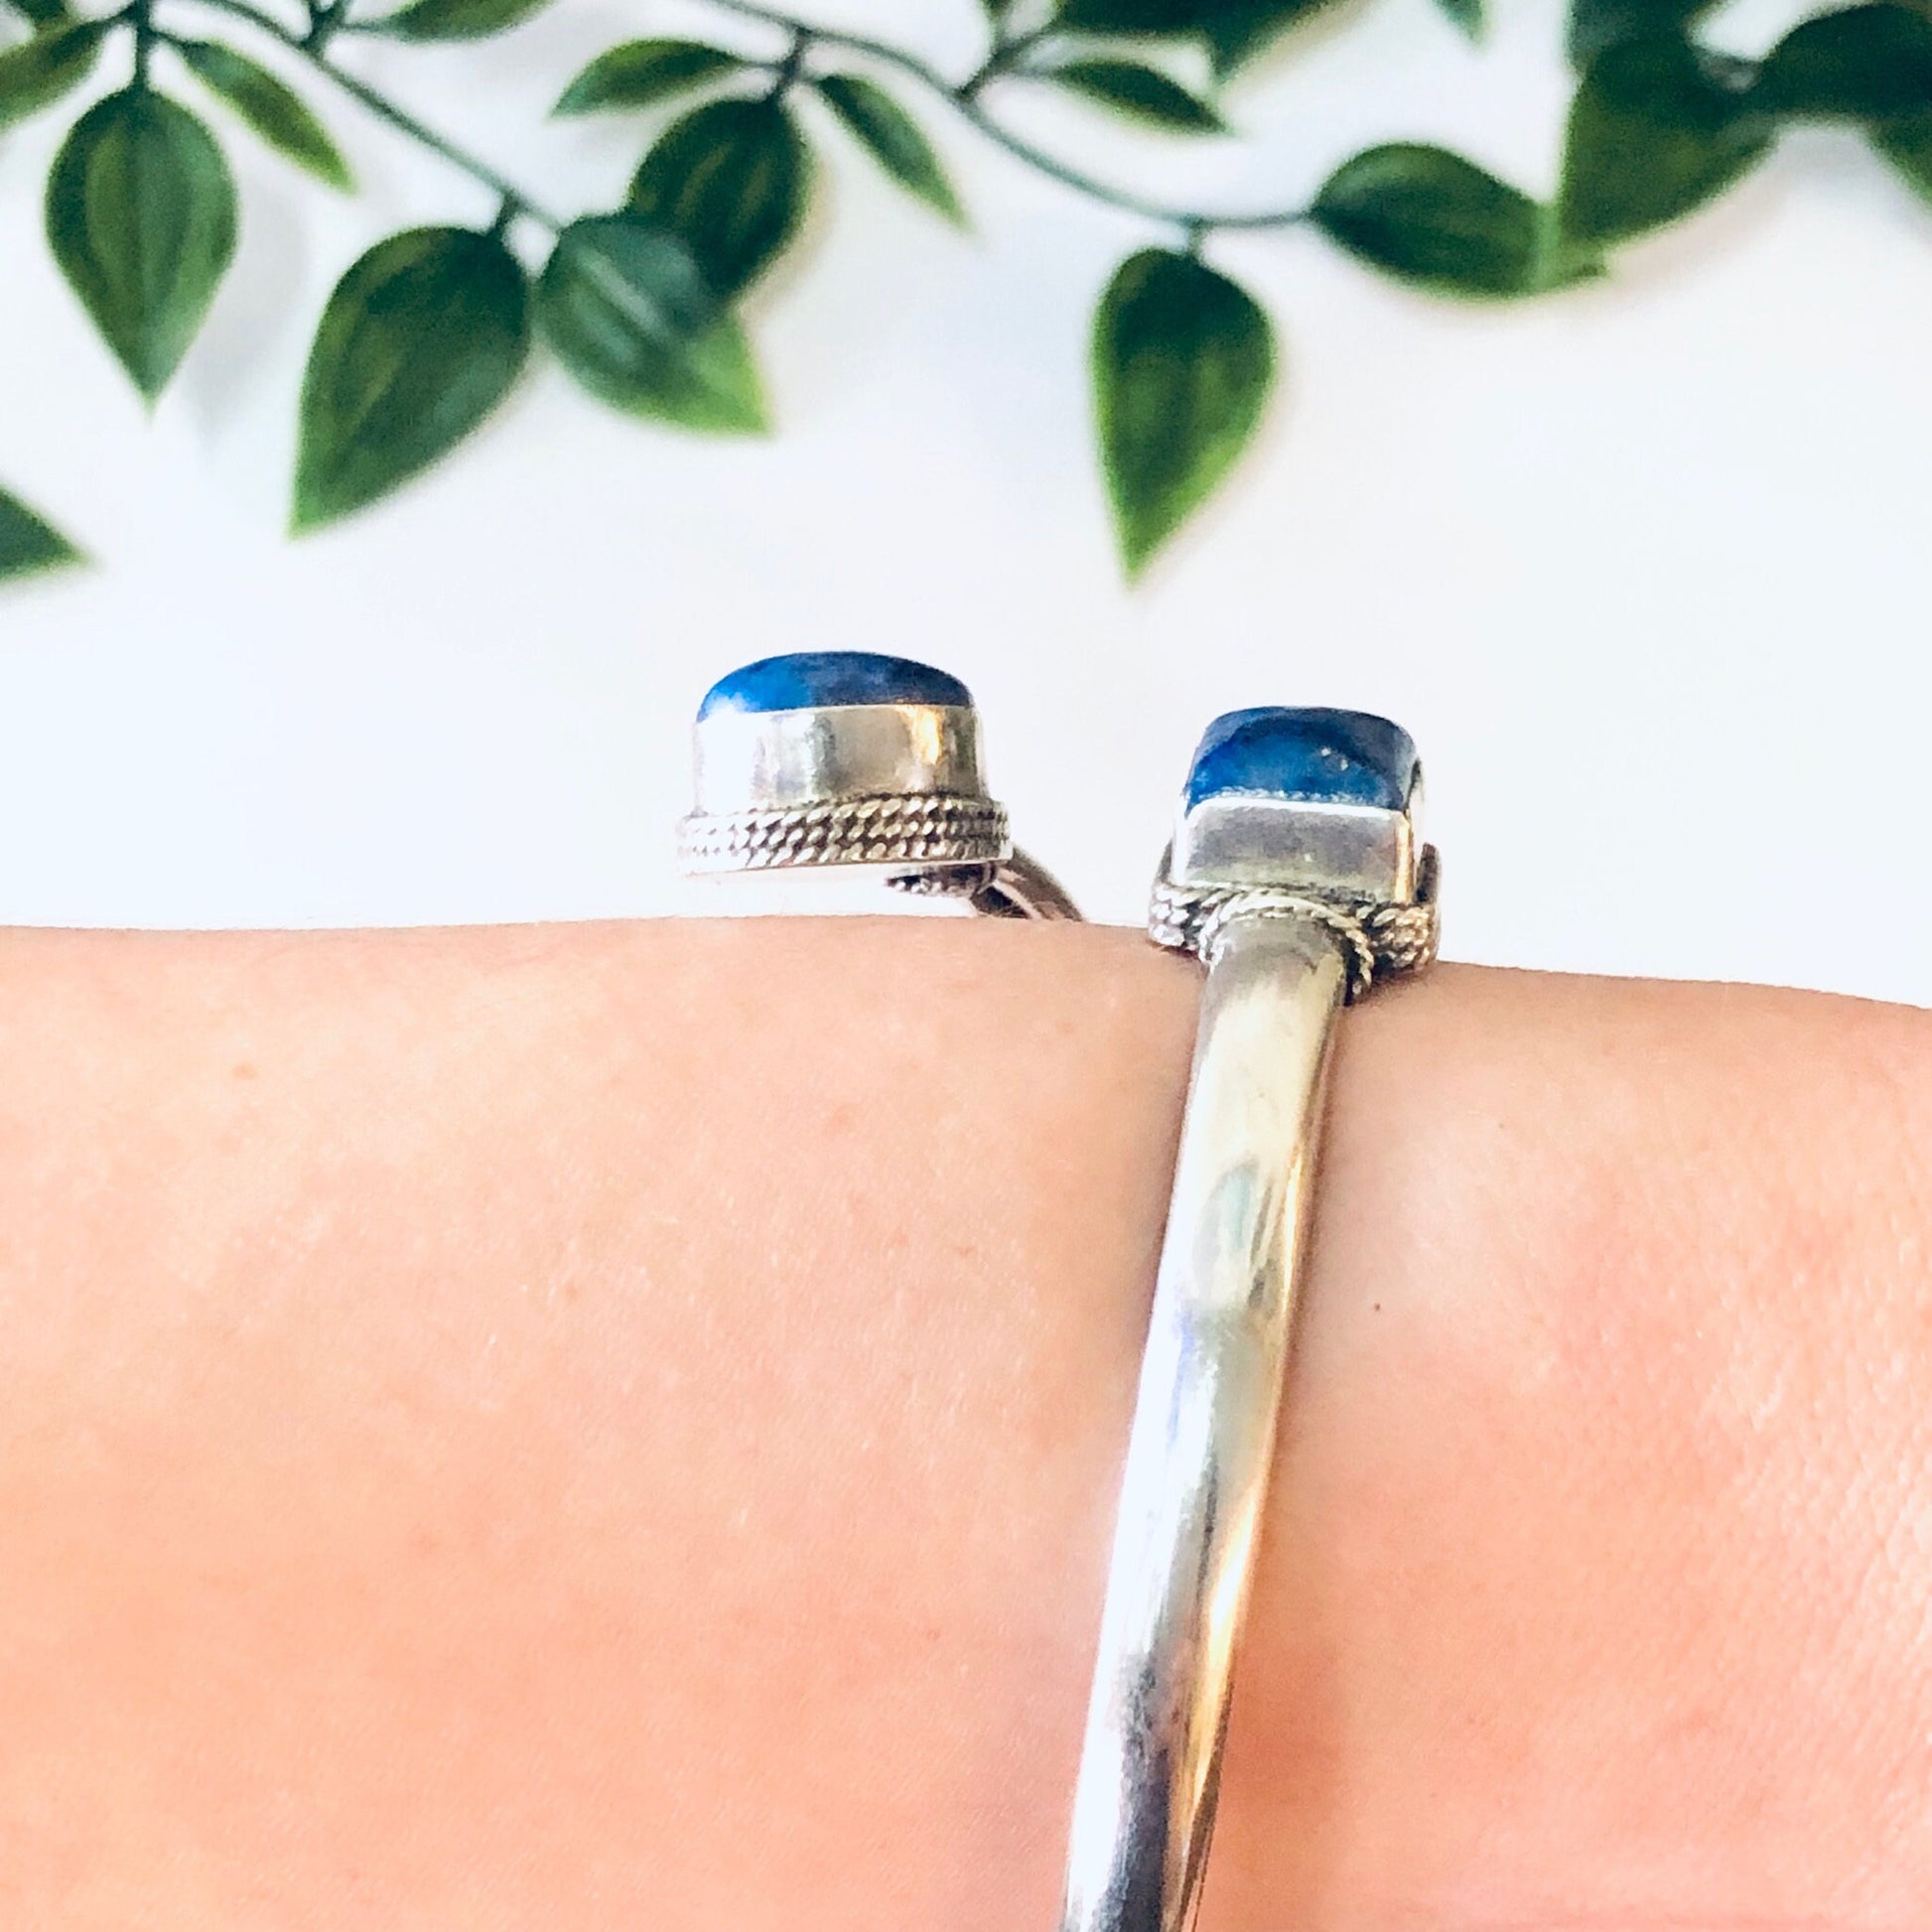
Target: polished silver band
1298	879
1203	1429
1289	933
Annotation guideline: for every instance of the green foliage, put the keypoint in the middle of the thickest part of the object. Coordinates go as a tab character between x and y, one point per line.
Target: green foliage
1598	24
1907	145
730	180
427	333
1141	94
456	20
1866	64
420	341
43	13
1233	31
272	108
29	544
892	138
628	315
1236	30
38	72
1656	130
1183	363
640	73
141	217
1433	219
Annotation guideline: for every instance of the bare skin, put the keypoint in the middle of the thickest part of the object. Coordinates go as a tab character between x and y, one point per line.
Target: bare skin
617	1427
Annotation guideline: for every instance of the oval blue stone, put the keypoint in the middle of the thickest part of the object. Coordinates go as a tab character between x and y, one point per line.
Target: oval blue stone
804	679
1306	752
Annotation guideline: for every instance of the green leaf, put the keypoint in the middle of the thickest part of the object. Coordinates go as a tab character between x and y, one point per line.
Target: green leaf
1907	145
455	20
892	138
1233	30
1152	17
1141	94
1466	14
1236	30
1653	134
38	72
1434	220
420	341
1598	24
141	217
29	543
639	73
1866	64
1183	363
43	13
628	313
271	108
730	180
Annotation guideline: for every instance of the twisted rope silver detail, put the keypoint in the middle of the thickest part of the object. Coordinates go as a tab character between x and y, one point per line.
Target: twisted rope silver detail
931	828
1377	940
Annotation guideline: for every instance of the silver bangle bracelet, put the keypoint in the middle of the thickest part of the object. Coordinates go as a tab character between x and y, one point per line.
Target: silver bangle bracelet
1295	877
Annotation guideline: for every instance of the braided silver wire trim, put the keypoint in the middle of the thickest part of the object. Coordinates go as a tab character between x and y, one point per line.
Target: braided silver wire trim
1377	940
922	829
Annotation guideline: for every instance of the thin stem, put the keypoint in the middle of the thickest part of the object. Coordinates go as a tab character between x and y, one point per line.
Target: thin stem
787	71
1003	56
326	19
962	96
512	197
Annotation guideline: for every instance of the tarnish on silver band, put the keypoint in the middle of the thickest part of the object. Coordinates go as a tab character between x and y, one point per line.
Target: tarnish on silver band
1293	910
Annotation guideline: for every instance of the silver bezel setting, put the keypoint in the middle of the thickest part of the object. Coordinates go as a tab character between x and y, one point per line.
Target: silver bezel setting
1242	838
774	761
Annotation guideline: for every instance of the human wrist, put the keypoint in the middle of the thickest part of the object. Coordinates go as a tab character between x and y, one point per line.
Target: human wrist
664	1387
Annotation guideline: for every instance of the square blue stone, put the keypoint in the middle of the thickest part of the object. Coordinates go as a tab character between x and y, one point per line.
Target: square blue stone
819	679
1307	753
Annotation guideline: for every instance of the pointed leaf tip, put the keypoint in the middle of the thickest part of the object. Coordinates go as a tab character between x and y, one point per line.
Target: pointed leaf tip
893	139
29	544
1654	133
419	342
639	73
625	311
1140	94
1430	217
270	107
1183	360
141	217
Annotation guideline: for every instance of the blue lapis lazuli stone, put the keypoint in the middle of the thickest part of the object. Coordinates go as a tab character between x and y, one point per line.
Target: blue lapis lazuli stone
806	679
1307	754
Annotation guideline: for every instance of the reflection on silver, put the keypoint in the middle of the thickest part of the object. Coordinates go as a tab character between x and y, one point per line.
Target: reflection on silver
900	788
1243	839
1203	1430
771	760
1294	908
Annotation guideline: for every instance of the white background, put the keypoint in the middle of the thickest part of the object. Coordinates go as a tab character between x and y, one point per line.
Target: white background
1643	567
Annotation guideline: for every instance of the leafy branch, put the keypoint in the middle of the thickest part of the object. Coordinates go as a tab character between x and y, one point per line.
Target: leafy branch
428	332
